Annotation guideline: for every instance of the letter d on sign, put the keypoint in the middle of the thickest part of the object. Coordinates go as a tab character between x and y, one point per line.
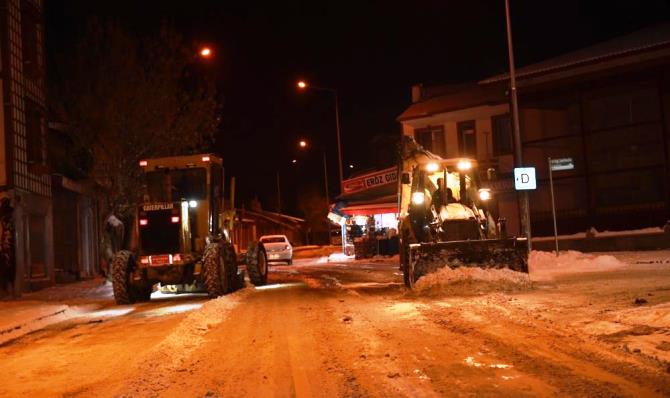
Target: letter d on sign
524	178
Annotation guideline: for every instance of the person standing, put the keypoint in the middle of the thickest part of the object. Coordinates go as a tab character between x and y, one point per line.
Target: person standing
7	247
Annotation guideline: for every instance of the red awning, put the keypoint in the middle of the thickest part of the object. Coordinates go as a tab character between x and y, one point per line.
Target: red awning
370	209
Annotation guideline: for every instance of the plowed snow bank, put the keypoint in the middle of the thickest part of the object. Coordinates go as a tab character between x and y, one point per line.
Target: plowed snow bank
170	355
471	280
545	265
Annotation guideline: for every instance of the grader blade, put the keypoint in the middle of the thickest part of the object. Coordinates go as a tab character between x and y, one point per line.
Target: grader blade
510	253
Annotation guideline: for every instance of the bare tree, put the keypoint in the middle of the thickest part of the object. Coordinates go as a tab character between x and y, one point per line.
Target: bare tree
127	97
312	204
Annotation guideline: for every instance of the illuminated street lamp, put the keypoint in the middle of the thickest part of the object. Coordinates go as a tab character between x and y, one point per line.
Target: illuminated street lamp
303	85
303	144
205	52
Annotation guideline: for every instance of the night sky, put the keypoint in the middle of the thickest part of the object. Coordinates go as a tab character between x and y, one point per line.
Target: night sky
371	52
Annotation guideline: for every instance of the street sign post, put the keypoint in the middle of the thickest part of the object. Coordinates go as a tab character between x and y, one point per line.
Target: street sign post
557	165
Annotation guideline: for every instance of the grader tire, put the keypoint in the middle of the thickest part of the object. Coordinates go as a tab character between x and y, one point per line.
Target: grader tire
257	264
218	280
230	260
124	290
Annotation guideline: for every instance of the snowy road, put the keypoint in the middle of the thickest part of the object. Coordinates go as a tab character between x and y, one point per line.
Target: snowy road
350	329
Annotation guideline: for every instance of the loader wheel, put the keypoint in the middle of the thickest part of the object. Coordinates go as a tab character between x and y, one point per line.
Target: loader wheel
257	264
217	269
407	274
125	291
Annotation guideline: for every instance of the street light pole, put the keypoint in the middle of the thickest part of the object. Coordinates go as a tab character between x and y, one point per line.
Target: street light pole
325	179
278	194
339	144
303	144
303	86
518	153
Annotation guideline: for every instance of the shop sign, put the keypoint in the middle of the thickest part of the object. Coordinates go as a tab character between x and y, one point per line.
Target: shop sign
369	181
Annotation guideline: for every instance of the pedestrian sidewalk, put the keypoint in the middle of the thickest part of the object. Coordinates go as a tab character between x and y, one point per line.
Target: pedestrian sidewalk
36	310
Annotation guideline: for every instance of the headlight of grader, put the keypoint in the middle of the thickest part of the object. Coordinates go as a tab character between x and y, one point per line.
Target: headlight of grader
418	198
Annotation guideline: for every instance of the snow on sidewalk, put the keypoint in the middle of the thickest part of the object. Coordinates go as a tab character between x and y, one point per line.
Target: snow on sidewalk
37	310
89	290
546	265
601	234
22	317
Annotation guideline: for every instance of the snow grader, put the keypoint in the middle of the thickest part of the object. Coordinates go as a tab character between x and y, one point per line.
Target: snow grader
451	226
181	234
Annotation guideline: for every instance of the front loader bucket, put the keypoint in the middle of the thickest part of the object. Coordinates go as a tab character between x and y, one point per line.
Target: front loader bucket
509	253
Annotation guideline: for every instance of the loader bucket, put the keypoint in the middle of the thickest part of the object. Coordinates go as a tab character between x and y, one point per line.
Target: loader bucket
424	258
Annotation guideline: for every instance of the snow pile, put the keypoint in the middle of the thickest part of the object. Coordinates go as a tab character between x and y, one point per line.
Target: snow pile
315	251
471	280
543	265
172	354
335	257
96	289
654	316
199	322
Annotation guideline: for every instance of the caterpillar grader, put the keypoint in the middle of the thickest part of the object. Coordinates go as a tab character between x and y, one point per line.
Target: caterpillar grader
181	234
450	226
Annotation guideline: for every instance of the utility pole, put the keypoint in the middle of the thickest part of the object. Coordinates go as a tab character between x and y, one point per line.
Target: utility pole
325	184
325	179
278	195
339	144
518	153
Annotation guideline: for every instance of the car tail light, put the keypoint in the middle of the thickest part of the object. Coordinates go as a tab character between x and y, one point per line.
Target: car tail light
144	221
174	219
176	258
144	260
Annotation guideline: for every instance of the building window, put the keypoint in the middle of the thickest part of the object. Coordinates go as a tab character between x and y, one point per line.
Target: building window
467	139
34	136
432	139
502	135
29	43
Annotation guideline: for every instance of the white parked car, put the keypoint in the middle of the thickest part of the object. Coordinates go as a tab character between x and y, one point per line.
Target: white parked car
277	248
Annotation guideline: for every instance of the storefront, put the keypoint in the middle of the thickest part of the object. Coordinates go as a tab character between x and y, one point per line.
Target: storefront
367	211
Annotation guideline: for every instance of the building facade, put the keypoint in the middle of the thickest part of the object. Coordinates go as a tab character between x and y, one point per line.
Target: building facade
24	174
606	107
